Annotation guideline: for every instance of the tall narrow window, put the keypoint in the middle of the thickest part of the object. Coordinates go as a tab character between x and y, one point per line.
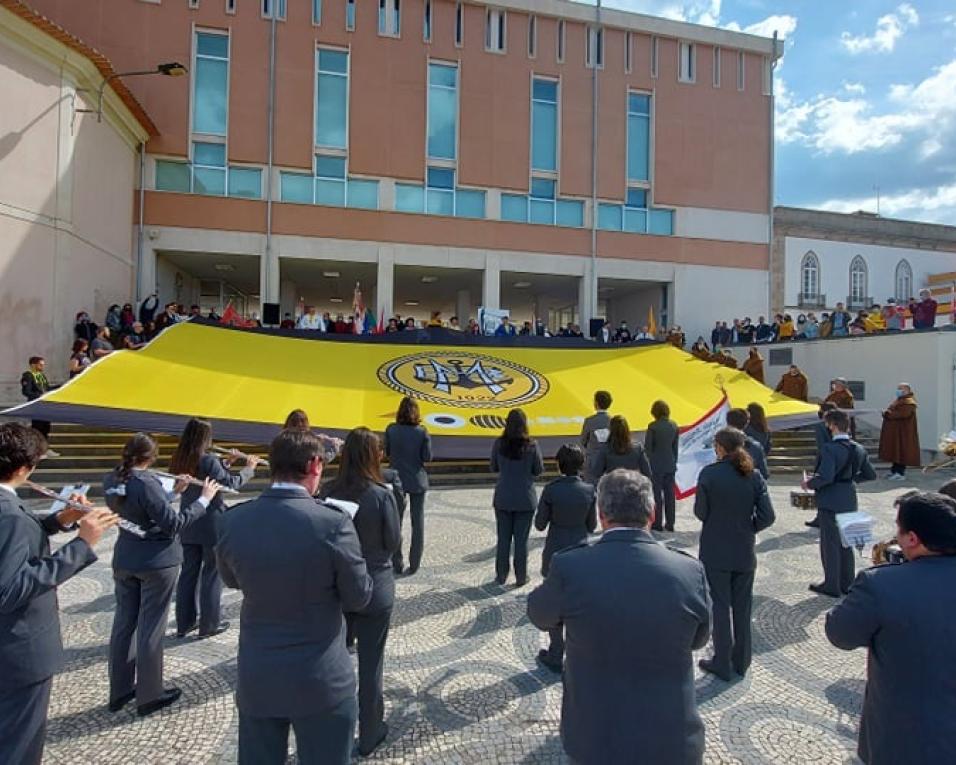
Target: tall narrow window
594	48
741	60
316	12
654	57
638	136
331	100
716	66
560	41
628	52
194	4
211	84
459	25
442	111
427	22
389	18
495	21
532	36
270	7
230	6
349	15
858	282
687	71
809	279
544	125
904	281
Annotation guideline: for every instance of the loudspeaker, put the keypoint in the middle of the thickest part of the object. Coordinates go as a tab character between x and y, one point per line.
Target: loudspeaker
270	314
595	327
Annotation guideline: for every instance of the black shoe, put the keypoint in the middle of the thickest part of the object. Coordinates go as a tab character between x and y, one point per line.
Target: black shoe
500	580
657	528
820	590
182	633
117	704
708	666
365	751
544	658
521	582
398	568
223	626
411	571
814	524
669	528
170	696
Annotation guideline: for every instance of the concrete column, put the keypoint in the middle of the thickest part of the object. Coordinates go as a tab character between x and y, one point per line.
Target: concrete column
269	276
147	282
463	307
288	297
385	283
491	282
587	299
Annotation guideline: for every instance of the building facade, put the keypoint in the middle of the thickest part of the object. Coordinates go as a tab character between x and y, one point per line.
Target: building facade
444	155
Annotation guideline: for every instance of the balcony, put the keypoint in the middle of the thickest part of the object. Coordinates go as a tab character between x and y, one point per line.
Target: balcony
858	302
805	300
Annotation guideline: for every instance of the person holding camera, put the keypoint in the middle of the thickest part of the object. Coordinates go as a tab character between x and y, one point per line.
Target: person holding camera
903	615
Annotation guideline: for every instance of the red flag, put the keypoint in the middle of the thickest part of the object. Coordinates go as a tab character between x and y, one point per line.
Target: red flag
230	315
358	310
380	328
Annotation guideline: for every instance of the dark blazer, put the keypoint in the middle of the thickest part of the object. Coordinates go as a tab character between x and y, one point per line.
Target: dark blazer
31	387
661	443
733	508
764	439
31	648
566	509
840	466
821	434
380	533
398	490
903	615
203	531
608	460
146	505
408	448
514	489
628	690
594	434
299	565
756	452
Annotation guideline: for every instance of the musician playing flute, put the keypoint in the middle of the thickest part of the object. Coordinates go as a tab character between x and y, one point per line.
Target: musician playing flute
31	649
144	574
193	457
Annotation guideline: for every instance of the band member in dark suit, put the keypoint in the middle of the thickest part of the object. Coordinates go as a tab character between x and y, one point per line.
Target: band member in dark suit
733	504
566	509
903	616
757	427
821	436
842	464
739	419
620	451
661	443
299	565
628	690
516	459
360	480
33	384
31	649
594	434
408	447
199	539
144	574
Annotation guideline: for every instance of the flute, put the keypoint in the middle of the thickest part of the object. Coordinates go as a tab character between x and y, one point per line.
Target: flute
189	479
236	453
131	527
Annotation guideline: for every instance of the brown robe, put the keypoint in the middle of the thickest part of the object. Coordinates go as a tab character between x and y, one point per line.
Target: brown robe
842	398
753	366
899	437
794	386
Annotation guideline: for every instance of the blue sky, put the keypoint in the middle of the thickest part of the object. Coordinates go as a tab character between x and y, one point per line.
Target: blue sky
866	98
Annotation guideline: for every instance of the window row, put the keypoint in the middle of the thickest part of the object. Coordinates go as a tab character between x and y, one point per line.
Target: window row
858	295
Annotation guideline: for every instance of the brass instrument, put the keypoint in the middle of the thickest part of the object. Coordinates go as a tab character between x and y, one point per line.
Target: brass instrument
887	552
236	453
129	526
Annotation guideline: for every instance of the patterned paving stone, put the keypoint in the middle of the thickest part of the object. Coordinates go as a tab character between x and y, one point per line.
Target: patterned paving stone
462	685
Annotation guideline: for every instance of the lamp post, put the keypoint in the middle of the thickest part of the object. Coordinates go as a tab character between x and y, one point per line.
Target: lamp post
169	69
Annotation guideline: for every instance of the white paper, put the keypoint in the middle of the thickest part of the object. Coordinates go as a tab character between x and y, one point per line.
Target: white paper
167	484
349	508
856	529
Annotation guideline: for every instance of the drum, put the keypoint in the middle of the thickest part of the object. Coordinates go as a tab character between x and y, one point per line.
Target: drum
803	500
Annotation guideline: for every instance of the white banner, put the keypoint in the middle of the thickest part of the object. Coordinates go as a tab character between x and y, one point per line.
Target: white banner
696	447
490	318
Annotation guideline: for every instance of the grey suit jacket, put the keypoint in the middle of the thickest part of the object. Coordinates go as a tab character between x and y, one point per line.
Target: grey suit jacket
594	434
31	648
841	465
733	509
661	443
567	510
299	565
903	615
408	448
628	688
755	450
764	439
636	459
514	489
203	531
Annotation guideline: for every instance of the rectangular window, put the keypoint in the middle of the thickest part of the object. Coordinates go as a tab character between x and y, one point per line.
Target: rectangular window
532	36
330	180
209	168
469	203
459	25
230	6
495	20
569	212
654	58
541	201
741	60
349	15
331	100
194	4
316	12
661	222
245	182
541	207
409	198
172	176
594	48
716	66
273	6
389	18
514	208
427	22
442	111
560	45
296	187
687	70
544	125
628	52
638	136
361	194
211	84
440	191
610	217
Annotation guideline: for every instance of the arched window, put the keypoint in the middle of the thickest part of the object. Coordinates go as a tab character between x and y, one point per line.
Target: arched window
858	281
809	277
904	281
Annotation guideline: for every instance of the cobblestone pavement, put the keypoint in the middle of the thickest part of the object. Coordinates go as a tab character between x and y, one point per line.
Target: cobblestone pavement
462	685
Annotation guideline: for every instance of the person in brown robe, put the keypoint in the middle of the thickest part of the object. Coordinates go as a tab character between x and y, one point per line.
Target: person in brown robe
700	350
899	437
728	360
794	384
841	396
753	365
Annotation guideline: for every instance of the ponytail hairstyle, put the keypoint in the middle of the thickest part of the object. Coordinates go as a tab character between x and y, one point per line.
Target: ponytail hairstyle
138	450
732	442
193	444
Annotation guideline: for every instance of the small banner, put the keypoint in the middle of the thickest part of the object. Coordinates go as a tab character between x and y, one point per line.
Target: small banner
696	447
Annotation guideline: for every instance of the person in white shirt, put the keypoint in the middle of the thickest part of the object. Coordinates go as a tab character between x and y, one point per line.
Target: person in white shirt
311	320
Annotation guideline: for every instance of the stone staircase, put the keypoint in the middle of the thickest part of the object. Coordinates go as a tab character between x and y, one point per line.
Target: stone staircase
87	454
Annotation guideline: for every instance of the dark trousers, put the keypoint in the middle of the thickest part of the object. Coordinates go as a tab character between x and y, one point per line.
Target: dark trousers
664	500
23	723
371	632
732	596
41	425
198	572
322	739
839	566
899	468
556	644
416	507
142	607
512	527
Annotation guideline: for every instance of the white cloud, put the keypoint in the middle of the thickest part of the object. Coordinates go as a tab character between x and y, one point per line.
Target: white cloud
932	205
856	88
889	29
783	25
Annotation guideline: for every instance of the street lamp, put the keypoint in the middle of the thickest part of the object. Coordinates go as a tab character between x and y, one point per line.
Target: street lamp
168	69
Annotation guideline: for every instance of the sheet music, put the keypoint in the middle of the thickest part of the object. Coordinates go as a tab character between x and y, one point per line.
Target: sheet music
65	493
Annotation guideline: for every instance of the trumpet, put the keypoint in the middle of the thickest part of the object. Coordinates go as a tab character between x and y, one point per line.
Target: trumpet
129	526
236	453
189	479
